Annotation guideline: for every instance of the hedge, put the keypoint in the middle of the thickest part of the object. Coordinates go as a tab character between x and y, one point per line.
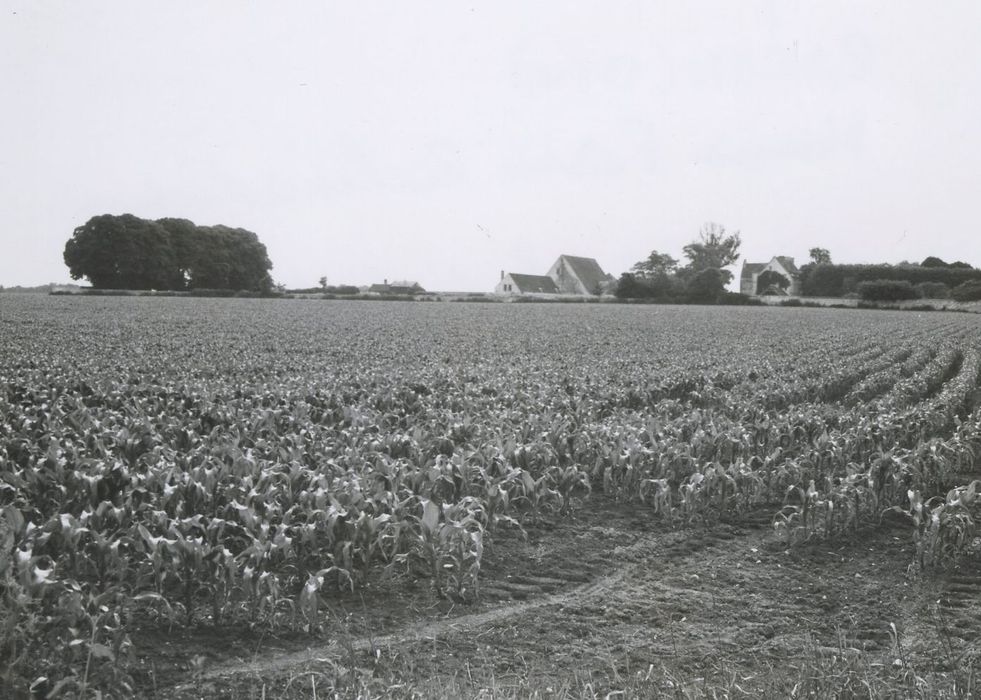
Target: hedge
969	291
837	280
886	290
933	290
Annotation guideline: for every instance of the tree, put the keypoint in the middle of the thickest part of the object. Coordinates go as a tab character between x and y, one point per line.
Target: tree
770	281
121	252
655	264
933	261
323	283
706	286
127	252
820	256
184	240
629	287
714	249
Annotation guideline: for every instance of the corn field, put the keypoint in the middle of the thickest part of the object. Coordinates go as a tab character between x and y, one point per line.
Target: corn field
176	462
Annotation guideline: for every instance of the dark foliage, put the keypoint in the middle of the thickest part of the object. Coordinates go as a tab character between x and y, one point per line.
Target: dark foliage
886	290
838	280
659	286
773	279
706	286
968	291
127	252
932	290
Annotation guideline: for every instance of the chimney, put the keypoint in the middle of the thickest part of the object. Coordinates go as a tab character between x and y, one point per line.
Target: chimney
502	274
385	281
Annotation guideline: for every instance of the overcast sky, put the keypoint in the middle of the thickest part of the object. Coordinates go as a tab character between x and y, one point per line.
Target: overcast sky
445	141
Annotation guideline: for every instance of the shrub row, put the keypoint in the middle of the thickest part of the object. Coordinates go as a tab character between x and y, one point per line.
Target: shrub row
837	280
902	290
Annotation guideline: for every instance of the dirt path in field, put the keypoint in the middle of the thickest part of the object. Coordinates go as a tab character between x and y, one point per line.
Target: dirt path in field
615	593
458	625
505	596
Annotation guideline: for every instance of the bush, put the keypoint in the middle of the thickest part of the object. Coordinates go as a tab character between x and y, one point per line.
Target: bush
932	290
656	286
343	289
886	290
706	286
969	291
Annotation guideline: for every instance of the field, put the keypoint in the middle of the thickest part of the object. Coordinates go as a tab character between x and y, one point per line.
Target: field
289	498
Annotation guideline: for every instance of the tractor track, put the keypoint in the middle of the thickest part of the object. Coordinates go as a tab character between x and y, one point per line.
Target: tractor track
510	598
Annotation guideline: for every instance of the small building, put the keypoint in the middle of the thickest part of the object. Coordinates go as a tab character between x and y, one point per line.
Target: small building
397	287
570	274
781	264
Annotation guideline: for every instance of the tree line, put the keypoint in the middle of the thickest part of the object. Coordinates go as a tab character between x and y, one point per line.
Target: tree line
702	280
127	252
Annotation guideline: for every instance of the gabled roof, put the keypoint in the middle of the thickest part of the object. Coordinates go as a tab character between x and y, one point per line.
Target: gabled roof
788	264
542	284
587	270
750	269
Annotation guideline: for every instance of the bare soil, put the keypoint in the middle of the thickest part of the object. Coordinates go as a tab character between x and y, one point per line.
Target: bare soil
609	596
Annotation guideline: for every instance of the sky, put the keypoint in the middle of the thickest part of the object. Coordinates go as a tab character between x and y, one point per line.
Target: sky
444	142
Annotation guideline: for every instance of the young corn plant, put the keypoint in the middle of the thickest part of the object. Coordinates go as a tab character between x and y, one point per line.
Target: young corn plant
568	482
800	521
944	528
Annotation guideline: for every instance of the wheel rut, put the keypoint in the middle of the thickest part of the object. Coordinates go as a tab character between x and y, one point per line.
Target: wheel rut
960	602
512	597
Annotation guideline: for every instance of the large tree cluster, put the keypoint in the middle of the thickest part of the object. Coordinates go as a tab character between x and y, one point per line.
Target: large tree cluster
127	252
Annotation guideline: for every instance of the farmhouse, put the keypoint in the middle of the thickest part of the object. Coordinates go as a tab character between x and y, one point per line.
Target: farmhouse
781	265
570	274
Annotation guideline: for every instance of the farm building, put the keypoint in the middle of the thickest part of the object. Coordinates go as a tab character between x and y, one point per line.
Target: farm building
569	274
781	265
397	287
515	283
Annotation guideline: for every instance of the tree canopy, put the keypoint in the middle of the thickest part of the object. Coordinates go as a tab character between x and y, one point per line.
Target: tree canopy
655	264
714	248
933	261
127	252
820	256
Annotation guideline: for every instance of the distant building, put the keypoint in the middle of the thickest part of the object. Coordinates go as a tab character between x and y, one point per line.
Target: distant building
515	283
569	274
781	264
397	287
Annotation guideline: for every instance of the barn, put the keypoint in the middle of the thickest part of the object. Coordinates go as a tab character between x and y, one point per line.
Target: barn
569	274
